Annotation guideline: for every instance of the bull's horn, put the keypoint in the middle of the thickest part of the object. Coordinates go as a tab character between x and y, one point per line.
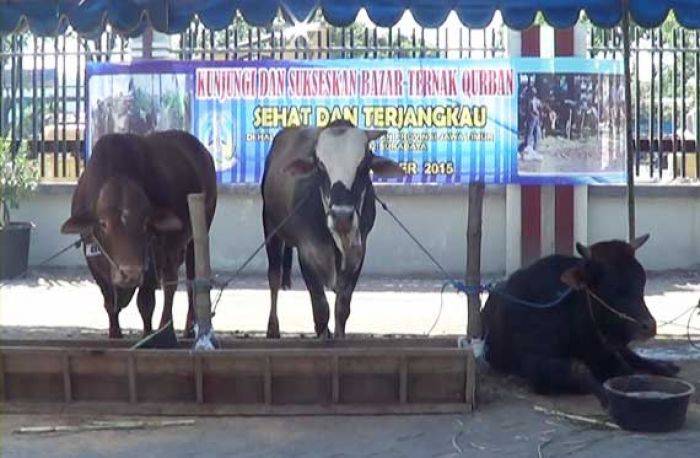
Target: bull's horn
373	134
583	250
639	241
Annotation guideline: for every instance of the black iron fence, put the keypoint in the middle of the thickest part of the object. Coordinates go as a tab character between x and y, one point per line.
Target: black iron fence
42	80
665	65
43	94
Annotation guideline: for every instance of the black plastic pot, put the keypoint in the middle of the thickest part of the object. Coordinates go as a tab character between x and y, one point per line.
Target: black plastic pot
14	250
648	403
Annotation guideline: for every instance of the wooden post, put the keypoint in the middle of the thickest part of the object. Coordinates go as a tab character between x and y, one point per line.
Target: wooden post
631	218
202	272
476	204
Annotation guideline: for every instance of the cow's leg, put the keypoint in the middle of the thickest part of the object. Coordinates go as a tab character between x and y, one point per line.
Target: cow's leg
288	252
146	299
274	278
319	303
548	375
654	366
189	268
169	276
347	283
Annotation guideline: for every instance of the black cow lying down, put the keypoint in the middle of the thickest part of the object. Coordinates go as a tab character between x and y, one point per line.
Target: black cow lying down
573	346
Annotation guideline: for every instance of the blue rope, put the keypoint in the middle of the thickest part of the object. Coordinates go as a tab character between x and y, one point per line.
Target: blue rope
492	288
497	289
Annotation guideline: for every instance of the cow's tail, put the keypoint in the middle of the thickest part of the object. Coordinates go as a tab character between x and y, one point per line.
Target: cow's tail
287	253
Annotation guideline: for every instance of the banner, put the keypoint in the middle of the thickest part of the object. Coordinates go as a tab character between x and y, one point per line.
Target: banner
521	120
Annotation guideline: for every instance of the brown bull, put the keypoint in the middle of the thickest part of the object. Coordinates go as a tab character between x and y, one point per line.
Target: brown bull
130	206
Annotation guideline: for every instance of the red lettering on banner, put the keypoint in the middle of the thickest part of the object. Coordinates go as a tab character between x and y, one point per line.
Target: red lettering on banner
487	82
226	83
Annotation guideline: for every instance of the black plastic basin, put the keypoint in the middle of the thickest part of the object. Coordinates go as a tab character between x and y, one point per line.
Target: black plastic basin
648	403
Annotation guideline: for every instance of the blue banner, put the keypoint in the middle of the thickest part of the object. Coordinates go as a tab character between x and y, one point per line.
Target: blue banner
524	120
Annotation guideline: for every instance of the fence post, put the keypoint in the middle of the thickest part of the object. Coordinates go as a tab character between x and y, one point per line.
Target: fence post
204	338
628	125
474	224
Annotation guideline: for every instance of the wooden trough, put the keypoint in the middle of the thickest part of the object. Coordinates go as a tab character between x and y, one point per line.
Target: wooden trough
244	377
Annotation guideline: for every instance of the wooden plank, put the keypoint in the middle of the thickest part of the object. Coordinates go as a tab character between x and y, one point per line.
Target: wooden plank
67	388
243	343
187	409
403	380
2	377
174	358
474	227
199	379
335	382
268	380
131	374
470	382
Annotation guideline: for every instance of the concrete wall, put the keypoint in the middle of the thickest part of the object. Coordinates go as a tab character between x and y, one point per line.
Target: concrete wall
437	217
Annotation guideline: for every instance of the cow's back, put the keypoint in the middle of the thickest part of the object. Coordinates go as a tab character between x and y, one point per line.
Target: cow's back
514	331
179	165
168	165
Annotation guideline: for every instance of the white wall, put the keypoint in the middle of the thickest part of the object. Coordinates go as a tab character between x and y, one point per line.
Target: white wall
437	217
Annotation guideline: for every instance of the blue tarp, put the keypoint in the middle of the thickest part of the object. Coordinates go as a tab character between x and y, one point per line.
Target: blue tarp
47	17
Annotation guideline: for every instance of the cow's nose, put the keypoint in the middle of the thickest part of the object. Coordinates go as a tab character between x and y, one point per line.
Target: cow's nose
128	275
342	218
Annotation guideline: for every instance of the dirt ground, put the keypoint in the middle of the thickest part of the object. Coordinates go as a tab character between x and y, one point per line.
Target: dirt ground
55	304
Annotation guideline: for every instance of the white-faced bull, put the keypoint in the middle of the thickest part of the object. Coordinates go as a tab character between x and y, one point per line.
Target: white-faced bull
317	186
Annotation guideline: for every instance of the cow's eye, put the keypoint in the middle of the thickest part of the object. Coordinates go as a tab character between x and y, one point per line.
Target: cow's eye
103	224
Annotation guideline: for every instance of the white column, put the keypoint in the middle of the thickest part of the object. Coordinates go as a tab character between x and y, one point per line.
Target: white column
580	191
513	228
581	214
547	219
513	204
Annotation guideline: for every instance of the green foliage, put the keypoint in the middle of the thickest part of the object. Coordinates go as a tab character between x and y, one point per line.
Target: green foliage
19	176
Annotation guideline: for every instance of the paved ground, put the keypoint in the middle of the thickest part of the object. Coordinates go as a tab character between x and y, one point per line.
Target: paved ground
506	424
71	300
58	304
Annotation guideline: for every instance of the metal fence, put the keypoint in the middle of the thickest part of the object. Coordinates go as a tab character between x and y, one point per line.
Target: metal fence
43	94
42	80
665	65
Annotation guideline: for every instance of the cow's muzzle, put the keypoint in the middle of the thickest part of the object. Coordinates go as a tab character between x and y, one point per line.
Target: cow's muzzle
127	276
342	218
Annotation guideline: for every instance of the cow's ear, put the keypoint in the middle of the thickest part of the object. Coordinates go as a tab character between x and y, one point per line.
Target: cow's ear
639	241
164	220
583	250
575	277
386	168
373	134
300	167
79	224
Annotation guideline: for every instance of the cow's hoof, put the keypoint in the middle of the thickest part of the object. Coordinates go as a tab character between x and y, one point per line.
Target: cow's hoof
325	335
188	333
273	334
146	333
115	334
